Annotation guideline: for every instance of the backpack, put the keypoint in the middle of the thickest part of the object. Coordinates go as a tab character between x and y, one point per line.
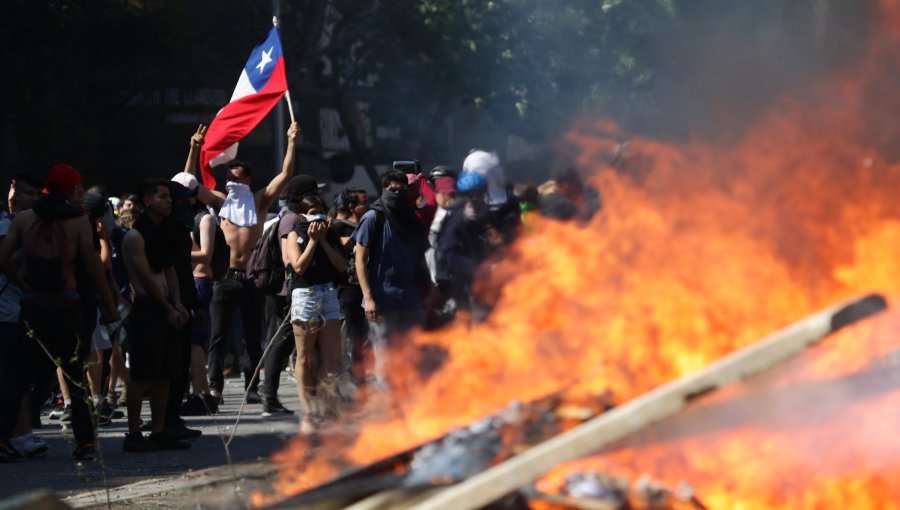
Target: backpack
376	239
46	265
221	252
265	268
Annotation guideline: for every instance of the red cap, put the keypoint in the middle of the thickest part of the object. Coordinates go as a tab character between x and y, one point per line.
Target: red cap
445	185
63	179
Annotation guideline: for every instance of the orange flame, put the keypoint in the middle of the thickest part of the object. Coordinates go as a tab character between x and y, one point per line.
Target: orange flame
809	436
700	250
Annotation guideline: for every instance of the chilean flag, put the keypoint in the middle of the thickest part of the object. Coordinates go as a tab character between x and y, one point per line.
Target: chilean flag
261	85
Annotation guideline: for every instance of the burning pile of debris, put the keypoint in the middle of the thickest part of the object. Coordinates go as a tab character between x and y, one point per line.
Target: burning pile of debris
589	490
503	453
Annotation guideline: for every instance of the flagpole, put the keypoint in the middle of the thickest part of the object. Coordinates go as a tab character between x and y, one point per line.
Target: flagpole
287	93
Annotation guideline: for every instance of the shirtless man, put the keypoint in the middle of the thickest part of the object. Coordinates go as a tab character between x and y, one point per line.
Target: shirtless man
156	315
50	304
242	216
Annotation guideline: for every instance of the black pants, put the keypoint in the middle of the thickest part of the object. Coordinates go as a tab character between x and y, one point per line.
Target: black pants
22	364
277	307
354	326
182	367
228	295
59	328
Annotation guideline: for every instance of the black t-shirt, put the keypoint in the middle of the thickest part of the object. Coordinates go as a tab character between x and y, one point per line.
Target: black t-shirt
344	228
320	270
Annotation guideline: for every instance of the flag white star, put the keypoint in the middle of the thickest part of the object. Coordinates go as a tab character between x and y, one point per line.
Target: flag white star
266	58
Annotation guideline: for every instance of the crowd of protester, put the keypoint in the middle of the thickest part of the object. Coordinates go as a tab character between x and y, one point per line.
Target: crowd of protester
161	294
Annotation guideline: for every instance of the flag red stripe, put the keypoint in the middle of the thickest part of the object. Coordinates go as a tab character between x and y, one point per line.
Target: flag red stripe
239	118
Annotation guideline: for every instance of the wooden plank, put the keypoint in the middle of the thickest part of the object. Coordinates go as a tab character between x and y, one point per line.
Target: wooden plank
664	401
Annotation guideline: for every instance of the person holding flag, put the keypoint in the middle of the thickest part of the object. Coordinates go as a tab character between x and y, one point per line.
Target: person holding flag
261	85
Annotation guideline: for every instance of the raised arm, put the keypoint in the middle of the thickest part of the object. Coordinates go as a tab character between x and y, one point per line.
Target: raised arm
205	195
300	258
190	166
267	196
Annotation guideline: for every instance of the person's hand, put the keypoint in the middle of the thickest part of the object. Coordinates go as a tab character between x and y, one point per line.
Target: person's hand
183	314
493	236
292	132
316	230
112	313
173	316
197	138
371	309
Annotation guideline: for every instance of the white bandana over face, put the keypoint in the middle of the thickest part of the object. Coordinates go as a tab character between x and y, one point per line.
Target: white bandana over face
239	206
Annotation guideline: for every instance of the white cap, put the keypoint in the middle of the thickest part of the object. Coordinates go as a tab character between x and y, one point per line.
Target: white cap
185	179
488	165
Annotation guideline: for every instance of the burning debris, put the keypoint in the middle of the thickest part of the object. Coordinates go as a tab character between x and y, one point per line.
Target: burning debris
600	491
454	457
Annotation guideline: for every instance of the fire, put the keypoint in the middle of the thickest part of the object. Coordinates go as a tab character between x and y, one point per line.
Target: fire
700	249
803	436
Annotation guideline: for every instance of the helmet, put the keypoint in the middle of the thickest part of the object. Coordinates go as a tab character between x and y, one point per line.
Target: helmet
440	171
470	182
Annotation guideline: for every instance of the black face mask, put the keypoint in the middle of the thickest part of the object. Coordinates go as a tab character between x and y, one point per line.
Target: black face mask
183	214
401	215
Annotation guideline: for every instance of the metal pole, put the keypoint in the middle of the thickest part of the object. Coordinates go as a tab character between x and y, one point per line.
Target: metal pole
278	129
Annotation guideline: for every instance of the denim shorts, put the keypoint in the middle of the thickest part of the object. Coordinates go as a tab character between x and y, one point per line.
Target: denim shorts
319	302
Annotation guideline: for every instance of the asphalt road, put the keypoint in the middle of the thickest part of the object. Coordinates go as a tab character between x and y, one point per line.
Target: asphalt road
256	438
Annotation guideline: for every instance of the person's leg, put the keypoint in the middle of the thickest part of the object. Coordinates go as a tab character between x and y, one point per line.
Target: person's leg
280	350
200	332
63	387
180	366
117	370
159	395
306	383
13	379
252	316
199	383
331	348
354	329
95	373
69	346
224	301
134	403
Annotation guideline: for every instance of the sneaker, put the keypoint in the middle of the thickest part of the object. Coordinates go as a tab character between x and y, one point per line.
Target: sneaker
85	451
217	396
29	445
180	431
194	405
253	398
147	426
58	412
164	441
8	453
274	408
212	403
135	442
66	415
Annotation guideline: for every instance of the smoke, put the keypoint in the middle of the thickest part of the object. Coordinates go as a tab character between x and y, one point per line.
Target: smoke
721	64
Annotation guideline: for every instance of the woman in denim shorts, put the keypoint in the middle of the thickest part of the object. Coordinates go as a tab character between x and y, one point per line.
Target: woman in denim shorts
313	256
